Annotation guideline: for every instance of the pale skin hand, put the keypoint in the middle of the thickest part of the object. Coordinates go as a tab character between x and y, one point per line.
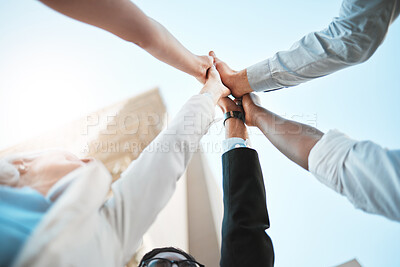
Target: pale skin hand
42	172
214	86
235	80
295	140
126	20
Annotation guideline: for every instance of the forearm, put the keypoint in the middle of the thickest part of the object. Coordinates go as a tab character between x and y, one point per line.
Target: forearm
295	140
165	47
120	17
126	20
235	128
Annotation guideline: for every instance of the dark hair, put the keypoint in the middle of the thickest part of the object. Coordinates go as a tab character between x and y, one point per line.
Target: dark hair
156	251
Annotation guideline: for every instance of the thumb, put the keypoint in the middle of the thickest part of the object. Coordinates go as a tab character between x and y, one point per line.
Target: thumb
210	60
238	101
222	68
212	72
214	56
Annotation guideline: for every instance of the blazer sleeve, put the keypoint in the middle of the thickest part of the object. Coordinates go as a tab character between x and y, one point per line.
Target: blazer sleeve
149	182
244	240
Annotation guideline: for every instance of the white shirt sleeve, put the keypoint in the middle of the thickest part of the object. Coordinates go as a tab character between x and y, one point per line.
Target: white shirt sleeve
367	174
349	39
149	182
234	142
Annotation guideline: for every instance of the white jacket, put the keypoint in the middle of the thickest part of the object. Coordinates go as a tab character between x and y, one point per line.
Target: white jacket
82	228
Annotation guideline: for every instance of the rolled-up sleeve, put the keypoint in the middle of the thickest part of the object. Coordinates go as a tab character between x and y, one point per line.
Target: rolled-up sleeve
367	174
351	38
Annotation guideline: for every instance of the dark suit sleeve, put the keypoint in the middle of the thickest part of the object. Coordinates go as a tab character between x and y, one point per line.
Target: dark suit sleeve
244	240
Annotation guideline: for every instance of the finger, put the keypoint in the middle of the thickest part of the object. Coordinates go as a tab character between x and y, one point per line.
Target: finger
238	101
212	54
210	60
216	60
222	67
212	72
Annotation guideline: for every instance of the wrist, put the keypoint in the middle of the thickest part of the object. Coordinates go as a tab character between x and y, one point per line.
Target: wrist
253	115
238	80
201	65
201	70
213	92
231	108
235	127
234	114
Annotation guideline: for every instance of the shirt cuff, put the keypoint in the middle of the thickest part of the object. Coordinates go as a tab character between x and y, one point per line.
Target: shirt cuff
260	77
209	95
234	142
327	157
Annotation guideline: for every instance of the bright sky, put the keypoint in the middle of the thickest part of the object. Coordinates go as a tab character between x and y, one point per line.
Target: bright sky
54	70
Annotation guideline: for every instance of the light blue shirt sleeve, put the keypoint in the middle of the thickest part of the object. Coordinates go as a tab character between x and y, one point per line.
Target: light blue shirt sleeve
21	210
351	38
364	172
234	142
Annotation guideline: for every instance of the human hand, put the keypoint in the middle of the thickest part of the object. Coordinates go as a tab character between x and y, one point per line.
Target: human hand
214	85
252	107
204	63
236	81
226	104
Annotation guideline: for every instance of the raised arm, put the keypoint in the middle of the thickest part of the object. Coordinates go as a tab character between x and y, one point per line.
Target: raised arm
295	140
149	182
244	238
367	174
351	38
126	20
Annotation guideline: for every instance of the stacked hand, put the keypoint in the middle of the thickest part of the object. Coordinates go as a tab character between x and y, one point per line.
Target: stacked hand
236	81
251	106
214	85
204	63
226	104
222	81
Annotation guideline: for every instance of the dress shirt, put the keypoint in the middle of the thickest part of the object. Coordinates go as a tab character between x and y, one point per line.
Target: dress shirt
367	174
351	38
234	142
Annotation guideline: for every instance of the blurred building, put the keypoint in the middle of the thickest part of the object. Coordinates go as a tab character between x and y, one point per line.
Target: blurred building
352	263
116	135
